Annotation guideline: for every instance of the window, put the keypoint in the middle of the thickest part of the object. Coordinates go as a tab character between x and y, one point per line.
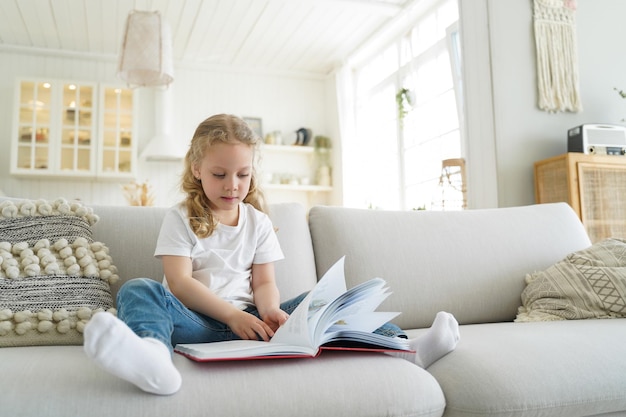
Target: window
403	138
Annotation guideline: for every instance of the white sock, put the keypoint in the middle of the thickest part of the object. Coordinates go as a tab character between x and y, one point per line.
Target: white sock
145	362
438	341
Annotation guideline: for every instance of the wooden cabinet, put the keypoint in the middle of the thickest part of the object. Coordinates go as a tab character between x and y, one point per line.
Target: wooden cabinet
72	129
594	185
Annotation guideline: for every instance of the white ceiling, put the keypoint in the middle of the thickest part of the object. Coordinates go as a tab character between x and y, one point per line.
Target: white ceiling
307	36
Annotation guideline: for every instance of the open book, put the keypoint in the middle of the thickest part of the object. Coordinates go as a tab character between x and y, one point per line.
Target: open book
330	317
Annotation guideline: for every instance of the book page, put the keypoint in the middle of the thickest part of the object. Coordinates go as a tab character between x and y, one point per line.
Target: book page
359	300
360	340
299	328
236	349
365	323
295	331
329	288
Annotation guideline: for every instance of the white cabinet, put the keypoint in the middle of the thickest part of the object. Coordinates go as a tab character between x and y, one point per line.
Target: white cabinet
54	128
76	120
118	151
72	129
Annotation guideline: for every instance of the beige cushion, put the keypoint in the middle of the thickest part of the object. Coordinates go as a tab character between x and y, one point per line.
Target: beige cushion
586	284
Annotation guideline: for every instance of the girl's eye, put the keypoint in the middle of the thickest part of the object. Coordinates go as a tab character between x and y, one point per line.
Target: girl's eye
222	176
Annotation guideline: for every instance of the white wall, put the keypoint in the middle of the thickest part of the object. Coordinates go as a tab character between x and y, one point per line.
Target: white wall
285	102
507	132
521	133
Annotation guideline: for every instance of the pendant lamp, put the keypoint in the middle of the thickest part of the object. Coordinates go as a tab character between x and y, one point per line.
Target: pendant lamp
146	55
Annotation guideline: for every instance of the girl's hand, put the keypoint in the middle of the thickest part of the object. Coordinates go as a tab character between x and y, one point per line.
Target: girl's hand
249	327
266	296
275	318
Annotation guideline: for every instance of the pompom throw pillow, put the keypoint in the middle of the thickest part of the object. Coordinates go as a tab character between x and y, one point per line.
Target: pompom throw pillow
53	276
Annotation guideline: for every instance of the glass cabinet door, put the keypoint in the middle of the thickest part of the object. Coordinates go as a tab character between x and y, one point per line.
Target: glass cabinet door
73	129
33	131
77	128
118	141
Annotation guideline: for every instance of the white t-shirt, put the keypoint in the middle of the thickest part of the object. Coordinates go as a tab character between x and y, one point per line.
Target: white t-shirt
222	261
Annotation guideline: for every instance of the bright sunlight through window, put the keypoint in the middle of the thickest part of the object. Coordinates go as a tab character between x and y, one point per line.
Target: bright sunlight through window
408	117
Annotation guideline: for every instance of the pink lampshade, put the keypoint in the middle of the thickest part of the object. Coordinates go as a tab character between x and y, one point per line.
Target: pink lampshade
146	54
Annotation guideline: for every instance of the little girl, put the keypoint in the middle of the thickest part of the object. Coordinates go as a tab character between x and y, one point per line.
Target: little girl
218	249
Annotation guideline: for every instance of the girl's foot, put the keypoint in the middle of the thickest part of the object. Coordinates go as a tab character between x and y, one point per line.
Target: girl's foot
145	362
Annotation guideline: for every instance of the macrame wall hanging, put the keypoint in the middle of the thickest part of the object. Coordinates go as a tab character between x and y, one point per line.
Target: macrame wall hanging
557	55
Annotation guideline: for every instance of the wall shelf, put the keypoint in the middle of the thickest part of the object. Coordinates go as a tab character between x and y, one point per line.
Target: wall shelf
297	187
289	173
288	148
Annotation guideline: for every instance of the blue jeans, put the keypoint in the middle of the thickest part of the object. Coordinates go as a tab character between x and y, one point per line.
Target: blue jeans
152	311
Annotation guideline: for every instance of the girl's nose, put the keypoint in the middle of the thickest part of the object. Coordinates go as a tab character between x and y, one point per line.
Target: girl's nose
232	184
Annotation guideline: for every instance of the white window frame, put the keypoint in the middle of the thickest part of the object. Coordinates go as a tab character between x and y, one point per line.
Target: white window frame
449	43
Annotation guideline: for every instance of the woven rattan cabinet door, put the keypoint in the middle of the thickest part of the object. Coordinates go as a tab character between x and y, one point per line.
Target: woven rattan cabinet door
594	185
555	181
603	199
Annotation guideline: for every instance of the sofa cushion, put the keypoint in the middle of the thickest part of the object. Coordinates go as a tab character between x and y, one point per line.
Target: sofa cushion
53	276
471	263
333	384
295	273
552	369
590	283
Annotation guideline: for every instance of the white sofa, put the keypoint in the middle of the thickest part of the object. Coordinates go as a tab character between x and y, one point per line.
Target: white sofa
470	263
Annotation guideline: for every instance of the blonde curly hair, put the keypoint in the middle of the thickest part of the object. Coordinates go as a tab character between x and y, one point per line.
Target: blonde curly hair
220	128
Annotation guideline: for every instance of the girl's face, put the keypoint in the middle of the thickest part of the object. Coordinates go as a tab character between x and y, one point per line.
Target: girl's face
226	172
